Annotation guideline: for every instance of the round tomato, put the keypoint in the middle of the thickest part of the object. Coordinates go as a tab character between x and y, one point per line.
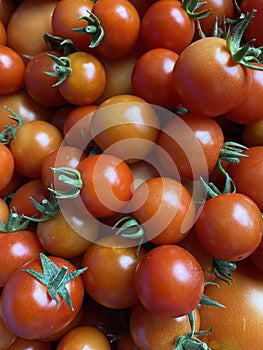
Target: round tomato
153	332
247	174
166	24
111	263
164	208
37	139
7	337
30	344
252	134
239	324
12	70
212	83
121	28
229	226
125	126
37	306
191	144
82	337
164	277
152	77
7	166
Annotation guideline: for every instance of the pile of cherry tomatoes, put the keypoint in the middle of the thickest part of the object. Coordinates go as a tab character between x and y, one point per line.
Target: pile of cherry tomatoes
131	174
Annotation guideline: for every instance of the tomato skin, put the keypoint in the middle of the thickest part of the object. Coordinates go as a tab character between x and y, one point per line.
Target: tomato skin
7	166
252	134
7	337
107	184
241	316
12	70
3	36
152	332
19	247
229	226
32	344
27	308
204	131
85	84
38	84
166	24
63	22
247	174
7	7
36	138
111	264
164	208
121	28
164	276
216	89
82	337
152	77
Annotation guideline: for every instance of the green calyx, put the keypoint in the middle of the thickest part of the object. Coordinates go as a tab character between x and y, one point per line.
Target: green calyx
48	209
14	223
94	28
65	46
55	279
9	131
62	69
71	178
192	6
246	54
223	269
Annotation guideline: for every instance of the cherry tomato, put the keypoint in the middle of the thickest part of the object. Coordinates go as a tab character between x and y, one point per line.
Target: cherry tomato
7	166
229	226
152	77
12	70
64	22
84	337
179	143
257	257
7	337
247	174
126	343
107	184
30	20
19	247
195	84
164	208
255	26
111	263
121	28
37	139
118	130
166	24
153	332
163	278
86	82
7	7
3	36
30	344
239	324
252	134
4	210
27	307
38	84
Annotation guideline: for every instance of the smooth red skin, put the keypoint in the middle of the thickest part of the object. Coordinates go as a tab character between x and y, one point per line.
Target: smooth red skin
7	166
111	264
153	332
66	17
84	337
166	24
40	85
152	77
16	181
7	337
12	70
250	110
4	210
85	84
229	226
165	209
21	199
27	308
257	257
248	174
212	83
239	324
252	134
121	27
103	195
30	344
19	247
3	36
205	131
165	275
254	29
33	142
126	343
